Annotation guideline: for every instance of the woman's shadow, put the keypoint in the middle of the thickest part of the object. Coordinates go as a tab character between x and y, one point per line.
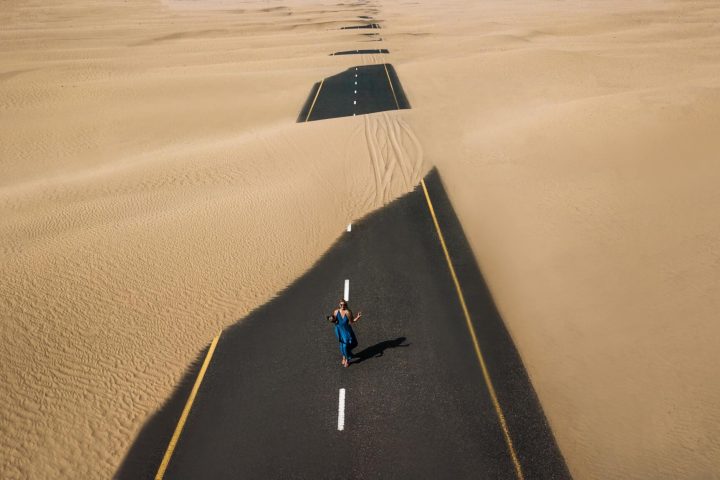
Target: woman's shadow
378	349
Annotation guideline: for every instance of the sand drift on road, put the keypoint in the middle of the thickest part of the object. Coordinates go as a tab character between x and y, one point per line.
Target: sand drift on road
156	188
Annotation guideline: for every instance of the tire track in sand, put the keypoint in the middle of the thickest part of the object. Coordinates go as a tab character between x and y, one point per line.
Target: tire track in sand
395	155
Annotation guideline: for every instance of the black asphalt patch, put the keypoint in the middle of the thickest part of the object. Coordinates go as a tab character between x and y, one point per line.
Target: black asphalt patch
417	406
361	52
356	91
355	27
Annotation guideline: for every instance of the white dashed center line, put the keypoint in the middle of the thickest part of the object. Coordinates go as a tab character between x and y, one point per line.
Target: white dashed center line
349	227
346	293
341	410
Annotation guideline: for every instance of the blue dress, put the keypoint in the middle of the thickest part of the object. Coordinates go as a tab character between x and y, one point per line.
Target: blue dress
345	335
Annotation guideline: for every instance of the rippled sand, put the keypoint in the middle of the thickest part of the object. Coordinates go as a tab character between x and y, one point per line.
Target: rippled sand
155	187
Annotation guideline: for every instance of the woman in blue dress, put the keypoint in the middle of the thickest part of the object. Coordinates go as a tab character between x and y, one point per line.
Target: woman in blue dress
342	317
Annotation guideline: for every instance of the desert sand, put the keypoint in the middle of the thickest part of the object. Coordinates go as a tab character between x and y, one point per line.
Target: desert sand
156	188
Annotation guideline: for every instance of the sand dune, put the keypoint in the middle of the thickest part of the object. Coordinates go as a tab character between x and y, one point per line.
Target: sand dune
155	187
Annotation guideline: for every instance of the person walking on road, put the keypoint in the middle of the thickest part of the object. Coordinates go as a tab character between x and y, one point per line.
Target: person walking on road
342	317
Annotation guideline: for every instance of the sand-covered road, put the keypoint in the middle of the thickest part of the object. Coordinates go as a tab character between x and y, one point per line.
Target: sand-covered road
156	187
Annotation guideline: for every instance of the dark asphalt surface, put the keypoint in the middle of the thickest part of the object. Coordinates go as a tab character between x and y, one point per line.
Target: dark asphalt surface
361	52
361	27
417	405
358	90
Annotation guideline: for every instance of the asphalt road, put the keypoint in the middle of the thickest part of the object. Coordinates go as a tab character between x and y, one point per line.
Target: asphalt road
417	405
361	52
361	27
356	91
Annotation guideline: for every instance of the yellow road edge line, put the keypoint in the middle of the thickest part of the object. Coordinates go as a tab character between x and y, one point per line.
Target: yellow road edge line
183	417
314	100
391	86
478	352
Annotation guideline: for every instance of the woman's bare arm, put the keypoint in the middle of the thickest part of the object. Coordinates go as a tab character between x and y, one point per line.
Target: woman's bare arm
357	317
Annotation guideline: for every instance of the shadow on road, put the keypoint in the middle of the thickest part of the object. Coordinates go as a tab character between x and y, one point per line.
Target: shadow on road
378	349
144	455
239	346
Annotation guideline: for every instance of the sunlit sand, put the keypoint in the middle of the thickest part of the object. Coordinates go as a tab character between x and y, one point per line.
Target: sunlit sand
156	187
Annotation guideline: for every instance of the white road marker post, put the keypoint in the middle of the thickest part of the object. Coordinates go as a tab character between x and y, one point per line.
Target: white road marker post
341	410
